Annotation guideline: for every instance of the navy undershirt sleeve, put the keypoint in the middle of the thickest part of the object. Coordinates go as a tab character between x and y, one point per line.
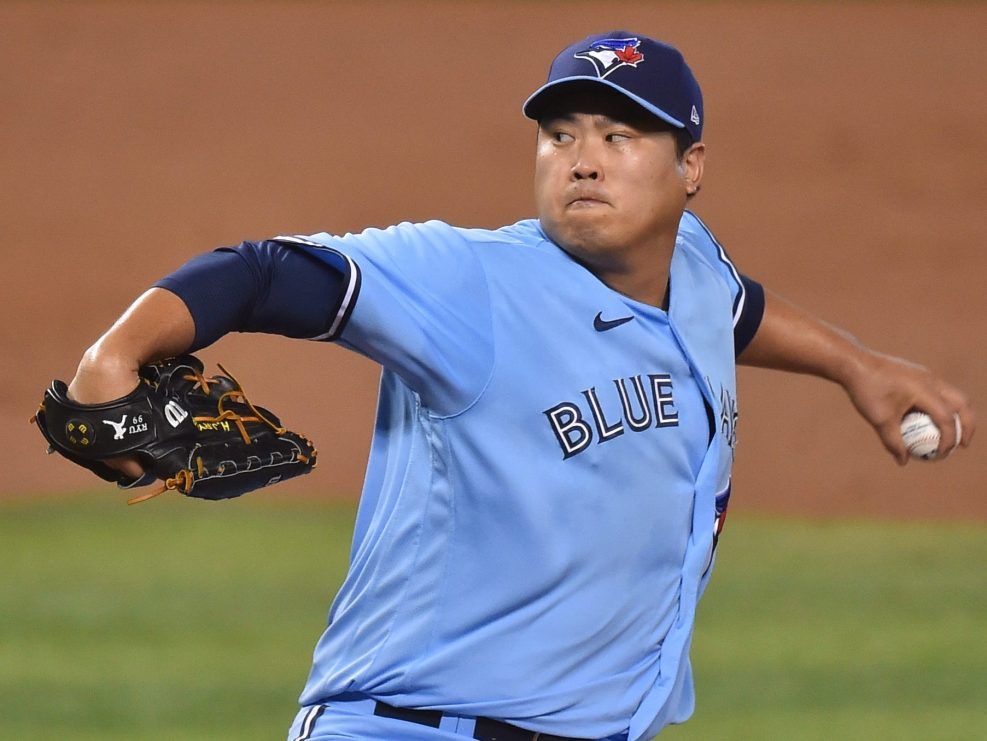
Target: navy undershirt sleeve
265	286
750	316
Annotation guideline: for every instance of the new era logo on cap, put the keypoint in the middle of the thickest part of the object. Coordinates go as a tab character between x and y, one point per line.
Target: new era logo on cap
610	54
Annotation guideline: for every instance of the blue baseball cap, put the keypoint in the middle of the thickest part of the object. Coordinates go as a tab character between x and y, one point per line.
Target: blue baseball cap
652	74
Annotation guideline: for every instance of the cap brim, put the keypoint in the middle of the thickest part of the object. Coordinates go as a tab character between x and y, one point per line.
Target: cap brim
531	105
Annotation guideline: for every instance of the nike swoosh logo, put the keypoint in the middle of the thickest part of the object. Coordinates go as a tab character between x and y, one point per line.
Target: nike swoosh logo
602	325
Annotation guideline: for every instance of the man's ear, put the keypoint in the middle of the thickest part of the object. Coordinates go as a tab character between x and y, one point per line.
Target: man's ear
692	165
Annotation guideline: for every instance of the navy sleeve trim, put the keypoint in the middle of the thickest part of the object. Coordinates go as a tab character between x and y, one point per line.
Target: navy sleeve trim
747	323
345	310
351	272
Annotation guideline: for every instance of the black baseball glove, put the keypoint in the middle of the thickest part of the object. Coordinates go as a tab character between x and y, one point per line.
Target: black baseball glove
200	436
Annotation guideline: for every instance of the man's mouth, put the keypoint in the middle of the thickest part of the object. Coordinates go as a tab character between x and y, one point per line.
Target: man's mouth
586	201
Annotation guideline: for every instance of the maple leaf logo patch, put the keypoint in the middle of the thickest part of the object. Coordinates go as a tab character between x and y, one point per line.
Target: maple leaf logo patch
610	54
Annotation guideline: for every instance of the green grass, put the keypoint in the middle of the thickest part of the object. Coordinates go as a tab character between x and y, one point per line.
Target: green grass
180	619
174	619
843	630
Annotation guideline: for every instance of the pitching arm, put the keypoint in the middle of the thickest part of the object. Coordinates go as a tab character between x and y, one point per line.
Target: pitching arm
883	388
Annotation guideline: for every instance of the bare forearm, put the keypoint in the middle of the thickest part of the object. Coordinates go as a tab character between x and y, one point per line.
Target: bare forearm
789	339
157	325
882	388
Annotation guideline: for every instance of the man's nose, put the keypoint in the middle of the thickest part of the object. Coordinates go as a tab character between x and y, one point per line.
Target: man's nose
585	172
587	164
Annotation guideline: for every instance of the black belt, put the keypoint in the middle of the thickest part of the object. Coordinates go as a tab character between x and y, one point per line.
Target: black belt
487	729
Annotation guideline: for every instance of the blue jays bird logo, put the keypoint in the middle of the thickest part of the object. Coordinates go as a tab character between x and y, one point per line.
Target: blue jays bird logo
722	502
610	54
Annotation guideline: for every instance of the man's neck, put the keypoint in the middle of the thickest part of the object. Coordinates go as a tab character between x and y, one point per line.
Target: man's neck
641	275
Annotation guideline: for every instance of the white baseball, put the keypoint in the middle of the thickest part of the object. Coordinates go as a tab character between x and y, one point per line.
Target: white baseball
921	435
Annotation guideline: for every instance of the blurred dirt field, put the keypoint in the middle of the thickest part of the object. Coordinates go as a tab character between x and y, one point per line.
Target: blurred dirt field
847	170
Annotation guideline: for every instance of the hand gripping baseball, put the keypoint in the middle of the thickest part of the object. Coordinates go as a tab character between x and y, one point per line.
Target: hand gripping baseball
200	436
887	388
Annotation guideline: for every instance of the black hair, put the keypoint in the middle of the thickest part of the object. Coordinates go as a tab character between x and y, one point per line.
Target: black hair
683	140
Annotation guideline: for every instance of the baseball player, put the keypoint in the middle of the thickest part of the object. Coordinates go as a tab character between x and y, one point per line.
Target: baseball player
556	422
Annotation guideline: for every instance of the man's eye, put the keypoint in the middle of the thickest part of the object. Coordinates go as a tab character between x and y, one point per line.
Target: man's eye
561	136
617	137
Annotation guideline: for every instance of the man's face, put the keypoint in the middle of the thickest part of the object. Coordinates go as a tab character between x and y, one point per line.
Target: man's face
608	182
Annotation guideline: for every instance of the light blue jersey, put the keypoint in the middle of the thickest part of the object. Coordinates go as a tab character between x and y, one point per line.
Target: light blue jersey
537	519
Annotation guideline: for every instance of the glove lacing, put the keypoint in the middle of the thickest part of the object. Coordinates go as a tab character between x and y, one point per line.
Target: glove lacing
184	480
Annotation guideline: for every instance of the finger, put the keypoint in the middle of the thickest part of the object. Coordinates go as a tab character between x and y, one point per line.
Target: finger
946	421
890	435
957	429
968	420
961	407
127	465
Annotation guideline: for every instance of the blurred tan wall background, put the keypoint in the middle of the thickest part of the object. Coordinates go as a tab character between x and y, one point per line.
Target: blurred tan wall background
847	170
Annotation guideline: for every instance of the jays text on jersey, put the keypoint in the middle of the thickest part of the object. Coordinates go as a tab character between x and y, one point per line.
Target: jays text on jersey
537	519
